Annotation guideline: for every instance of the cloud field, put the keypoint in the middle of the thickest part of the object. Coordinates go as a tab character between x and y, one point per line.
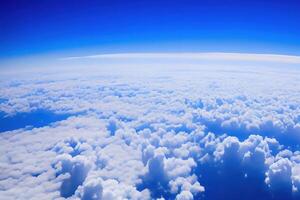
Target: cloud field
161	133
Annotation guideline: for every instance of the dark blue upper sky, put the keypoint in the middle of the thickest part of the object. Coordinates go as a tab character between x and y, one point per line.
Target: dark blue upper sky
41	26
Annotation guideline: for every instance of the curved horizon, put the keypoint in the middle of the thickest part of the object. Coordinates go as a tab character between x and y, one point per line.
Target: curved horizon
196	55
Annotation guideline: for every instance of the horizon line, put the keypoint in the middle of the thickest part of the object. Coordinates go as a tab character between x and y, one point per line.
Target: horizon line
195	55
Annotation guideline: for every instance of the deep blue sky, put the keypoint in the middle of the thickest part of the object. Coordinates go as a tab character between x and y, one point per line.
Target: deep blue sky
41	26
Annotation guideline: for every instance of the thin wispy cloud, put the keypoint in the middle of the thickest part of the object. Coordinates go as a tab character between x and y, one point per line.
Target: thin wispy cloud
197	56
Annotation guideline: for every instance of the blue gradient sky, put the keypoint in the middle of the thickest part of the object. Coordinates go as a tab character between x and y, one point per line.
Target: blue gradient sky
34	27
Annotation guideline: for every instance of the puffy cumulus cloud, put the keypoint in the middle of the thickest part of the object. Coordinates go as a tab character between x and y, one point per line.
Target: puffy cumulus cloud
196	133
184	195
279	175
75	158
169	176
92	190
282	176
296	178
72	171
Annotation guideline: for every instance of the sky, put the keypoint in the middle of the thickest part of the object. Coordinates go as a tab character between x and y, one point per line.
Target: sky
83	27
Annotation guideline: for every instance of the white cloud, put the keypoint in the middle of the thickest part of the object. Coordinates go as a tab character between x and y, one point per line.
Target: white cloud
155	135
198	56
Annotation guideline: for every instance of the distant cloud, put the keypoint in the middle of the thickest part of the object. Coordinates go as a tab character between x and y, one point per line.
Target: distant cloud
198	56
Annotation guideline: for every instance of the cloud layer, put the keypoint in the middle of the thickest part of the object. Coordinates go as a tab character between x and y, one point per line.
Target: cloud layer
185	133
198	56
